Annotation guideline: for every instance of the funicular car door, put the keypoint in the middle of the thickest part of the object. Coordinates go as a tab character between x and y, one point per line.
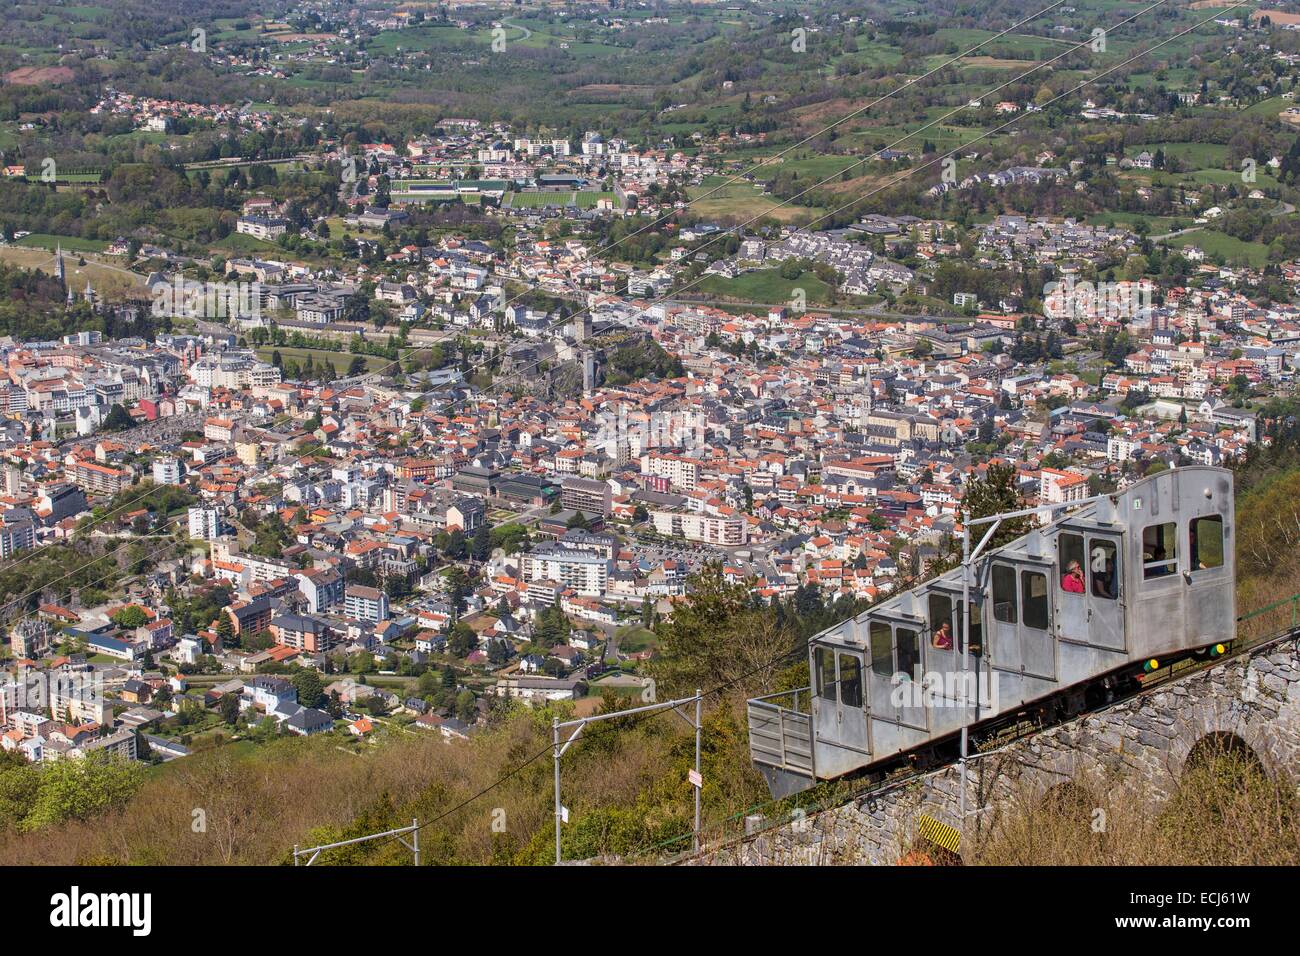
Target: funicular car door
1037	643
1004	622
1209	581
1021	595
1210	608
1070	622
897	671
839	708
1105	591
950	689
943	644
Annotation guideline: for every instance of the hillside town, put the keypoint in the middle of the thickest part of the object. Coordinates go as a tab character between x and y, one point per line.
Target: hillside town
400	520
630	433
461	443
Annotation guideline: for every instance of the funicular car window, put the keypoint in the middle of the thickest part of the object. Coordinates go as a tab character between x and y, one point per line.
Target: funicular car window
1004	593
909	651
825	661
1205	543
1103	568
882	656
941	637
1071	561
976	629
1033	587
850	681
1159	550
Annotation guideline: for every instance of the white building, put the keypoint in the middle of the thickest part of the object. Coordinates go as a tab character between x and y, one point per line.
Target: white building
583	571
16	536
166	471
261	227
205	523
365	604
713	529
681	472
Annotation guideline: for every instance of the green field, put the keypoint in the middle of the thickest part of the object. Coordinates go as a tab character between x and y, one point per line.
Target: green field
319	357
587	199
1196	155
765	286
716	198
44	240
583	199
69	178
538	200
1217	244
1156	225
240	242
633	638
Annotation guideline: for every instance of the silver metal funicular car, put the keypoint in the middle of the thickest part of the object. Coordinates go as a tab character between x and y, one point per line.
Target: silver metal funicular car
1100	590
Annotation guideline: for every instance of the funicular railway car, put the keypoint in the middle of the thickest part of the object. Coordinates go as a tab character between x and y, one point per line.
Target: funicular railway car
1058	617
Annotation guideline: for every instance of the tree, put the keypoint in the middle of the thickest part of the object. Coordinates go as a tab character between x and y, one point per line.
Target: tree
309	686
462	641
722	635
229	708
552	627
130	617
481	544
995	493
454	547
117	419
81	789
429	683
225	629
458	585
465	709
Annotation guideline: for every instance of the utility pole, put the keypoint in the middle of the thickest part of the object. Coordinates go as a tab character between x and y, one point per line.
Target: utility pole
555	743
558	749
698	782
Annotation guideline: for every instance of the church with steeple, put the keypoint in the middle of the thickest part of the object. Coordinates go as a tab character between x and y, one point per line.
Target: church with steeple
61	272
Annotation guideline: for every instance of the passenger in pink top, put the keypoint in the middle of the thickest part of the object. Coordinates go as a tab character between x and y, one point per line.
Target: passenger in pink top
1072	580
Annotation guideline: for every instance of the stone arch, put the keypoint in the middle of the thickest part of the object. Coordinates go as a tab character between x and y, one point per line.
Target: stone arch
1220	744
1229	804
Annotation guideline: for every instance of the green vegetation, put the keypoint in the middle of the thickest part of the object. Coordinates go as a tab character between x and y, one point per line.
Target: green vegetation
321	359
639	358
52	572
36	797
33	307
767	287
130	617
1224	248
42	240
634	638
